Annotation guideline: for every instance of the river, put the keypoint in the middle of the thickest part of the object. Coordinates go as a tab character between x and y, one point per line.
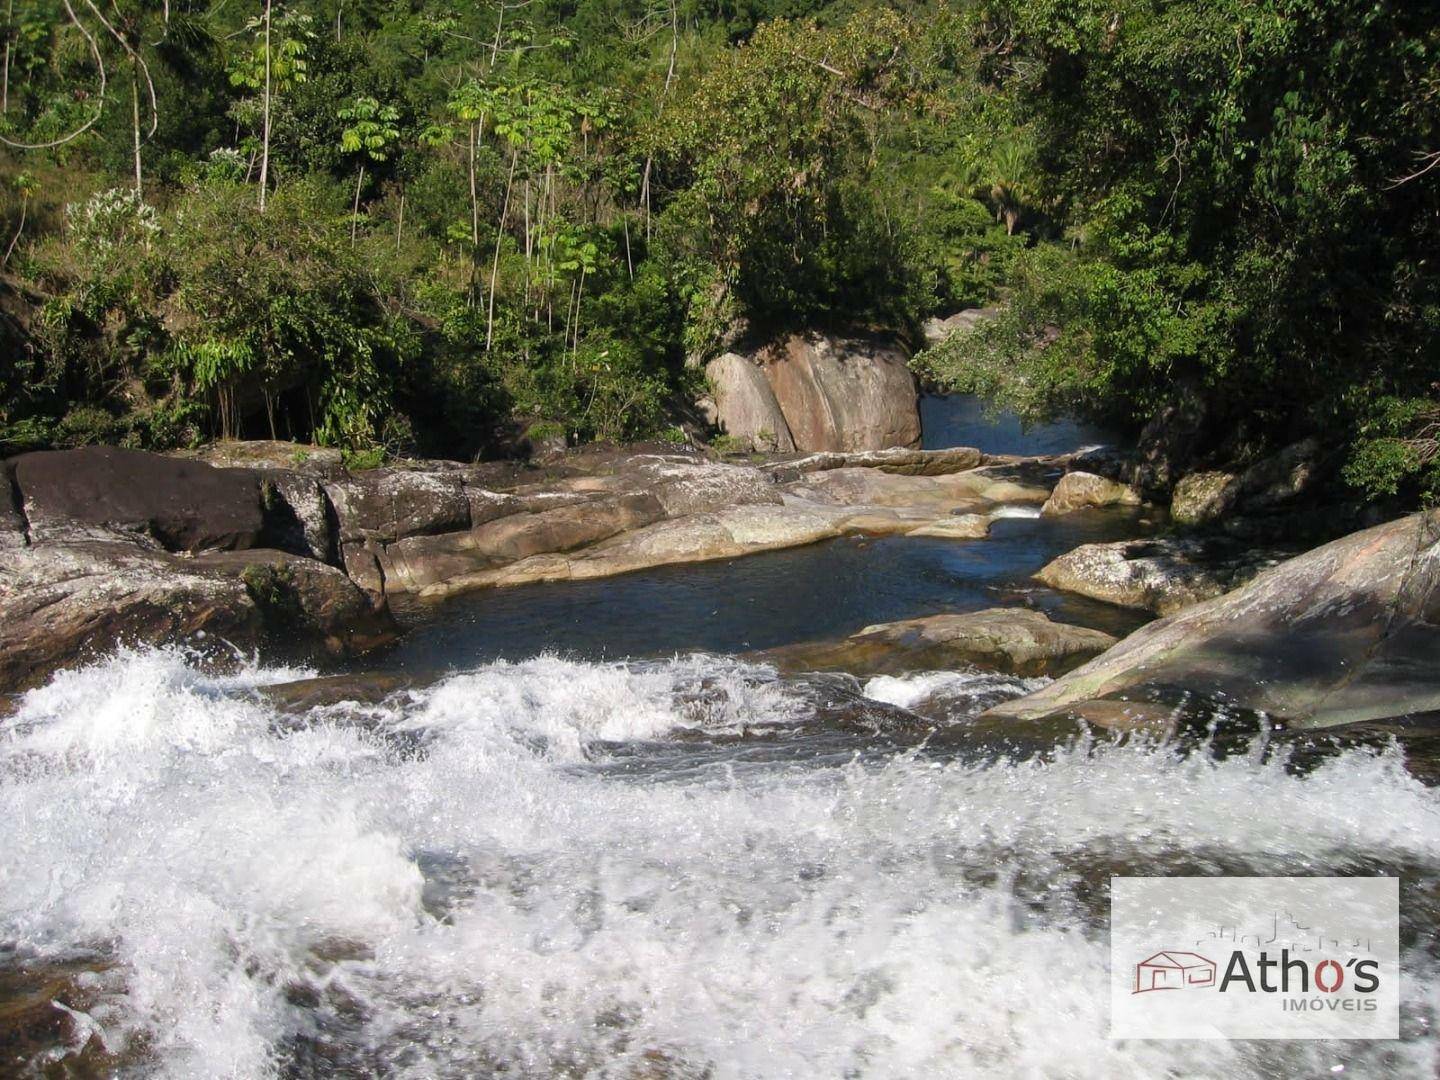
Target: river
588	839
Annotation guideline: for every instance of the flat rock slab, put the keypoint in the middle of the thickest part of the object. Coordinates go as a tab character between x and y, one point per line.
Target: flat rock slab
1015	641
1163	575
104	492
1347	633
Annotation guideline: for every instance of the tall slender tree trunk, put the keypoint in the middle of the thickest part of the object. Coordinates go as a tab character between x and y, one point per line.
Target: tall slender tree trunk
9	33
474	194
499	236
664	93
400	222
135	124
24	205
355	210
265	127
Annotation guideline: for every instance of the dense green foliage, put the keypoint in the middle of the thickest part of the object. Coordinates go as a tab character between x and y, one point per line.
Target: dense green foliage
427	225
1247	196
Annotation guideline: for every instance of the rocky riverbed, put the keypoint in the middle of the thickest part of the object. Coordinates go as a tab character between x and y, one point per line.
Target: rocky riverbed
643	763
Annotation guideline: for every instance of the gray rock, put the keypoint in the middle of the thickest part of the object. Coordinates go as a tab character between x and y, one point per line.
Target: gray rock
12	521
65	602
1204	498
1343	634
323	462
104	492
1083	490
1282	476
297	515
1015	641
897	459
745	406
1159	575
937	330
385	505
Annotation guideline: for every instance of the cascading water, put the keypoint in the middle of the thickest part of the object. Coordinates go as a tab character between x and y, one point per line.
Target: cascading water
663	869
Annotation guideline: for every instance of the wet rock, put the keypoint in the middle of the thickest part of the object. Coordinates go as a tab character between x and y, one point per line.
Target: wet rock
843	393
1082	490
956	527
745	406
66	602
306	604
104	493
1159	575
1015	641
1343	634
61	603
303	695
1204	498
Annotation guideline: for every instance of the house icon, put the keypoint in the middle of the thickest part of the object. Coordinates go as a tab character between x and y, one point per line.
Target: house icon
1171	970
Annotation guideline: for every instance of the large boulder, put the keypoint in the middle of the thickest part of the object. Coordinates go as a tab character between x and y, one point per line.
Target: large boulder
1016	641
65	603
1204	498
745	406
12	521
1083	490
936	330
1343	634
104	492
843	393
1162	575
69	601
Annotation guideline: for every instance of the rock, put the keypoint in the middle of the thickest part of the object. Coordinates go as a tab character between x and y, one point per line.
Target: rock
937	330
386	504
1343	634
897	459
1281	477
745	406
953	492
1016	641
63	603
103	492
1168	442
724	534
1160	575
686	486
956	527
305	603
324	462
297	515
843	393
12	521
1081	490
1203	498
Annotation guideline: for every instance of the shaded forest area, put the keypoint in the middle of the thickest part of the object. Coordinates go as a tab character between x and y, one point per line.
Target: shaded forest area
437	227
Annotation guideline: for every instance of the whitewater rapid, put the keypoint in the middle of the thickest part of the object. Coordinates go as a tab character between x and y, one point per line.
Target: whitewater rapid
633	870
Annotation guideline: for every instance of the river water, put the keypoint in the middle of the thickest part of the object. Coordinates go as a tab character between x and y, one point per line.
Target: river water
638	861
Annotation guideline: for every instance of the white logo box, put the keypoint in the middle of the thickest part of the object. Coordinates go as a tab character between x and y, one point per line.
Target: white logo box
1254	958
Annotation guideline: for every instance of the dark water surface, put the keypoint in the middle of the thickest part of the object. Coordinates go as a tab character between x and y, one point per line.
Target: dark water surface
777	598
761	601
964	420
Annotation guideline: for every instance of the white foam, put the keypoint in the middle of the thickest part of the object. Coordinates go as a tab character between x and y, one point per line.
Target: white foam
771	921
1015	512
908	691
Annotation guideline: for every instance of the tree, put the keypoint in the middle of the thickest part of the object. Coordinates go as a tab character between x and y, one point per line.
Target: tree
371	134
26	187
276	62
